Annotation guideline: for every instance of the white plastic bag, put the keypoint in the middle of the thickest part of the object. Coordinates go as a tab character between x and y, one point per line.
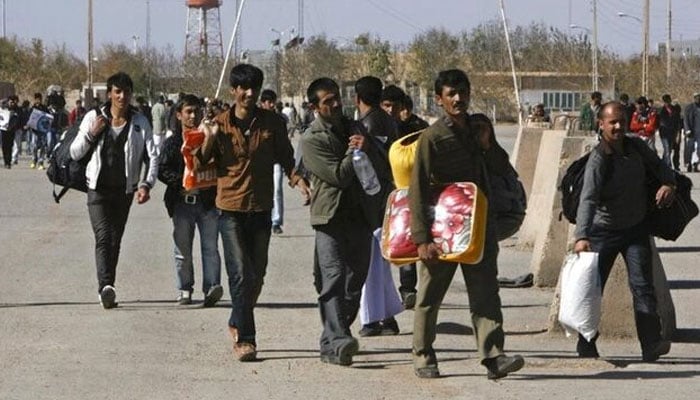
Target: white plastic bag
581	295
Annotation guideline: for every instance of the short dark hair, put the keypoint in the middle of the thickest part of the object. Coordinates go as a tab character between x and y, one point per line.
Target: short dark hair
188	100
596	95
247	76
38	96
319	84
451	77
268	95
624	97
666	98
393	94
642	100
369	90
122	80
408	103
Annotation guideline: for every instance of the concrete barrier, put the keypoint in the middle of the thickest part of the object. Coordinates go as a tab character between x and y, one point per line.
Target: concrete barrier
524	155
550	231
617	311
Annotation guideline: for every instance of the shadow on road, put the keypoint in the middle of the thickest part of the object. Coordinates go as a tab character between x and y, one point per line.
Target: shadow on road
684	284
679	249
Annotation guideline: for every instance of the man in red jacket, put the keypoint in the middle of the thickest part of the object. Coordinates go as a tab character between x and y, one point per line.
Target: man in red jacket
645	123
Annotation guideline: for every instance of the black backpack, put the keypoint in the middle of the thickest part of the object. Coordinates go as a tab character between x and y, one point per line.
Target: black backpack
571	186
63	170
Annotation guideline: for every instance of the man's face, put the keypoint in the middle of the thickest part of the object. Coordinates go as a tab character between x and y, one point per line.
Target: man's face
268	105
120	97
596	101
454	100
392	108
190	116
245	97
611	124
11	104
405	114
697	100
330	107
640	107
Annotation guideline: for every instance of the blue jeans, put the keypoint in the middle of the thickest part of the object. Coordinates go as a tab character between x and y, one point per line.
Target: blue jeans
690	142
245	237
278	199
39	147
185	218
667	144
633	243
341	261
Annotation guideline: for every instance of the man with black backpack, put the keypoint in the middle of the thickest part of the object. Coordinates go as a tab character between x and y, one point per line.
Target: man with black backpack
611	220
119	141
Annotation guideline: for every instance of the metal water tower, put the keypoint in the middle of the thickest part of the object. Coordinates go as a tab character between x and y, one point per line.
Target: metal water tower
203	30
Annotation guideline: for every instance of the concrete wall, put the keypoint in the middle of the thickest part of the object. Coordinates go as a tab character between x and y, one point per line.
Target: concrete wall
524	156
551	232
617	311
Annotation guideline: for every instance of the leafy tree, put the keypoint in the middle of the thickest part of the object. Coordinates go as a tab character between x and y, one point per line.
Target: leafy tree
432	52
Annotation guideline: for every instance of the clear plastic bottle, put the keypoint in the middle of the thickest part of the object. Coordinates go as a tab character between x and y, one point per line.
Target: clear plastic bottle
365	172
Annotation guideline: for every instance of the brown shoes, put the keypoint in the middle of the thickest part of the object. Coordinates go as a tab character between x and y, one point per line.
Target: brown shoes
242	351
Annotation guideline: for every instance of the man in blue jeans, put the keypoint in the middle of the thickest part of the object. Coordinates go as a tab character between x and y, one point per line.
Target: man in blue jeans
245	142
611	221
190	209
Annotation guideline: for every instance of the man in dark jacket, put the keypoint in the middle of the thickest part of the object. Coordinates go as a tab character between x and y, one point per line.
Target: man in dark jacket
450	151
669	117
691	123
342	215
612	222
379	125
190	209
9	130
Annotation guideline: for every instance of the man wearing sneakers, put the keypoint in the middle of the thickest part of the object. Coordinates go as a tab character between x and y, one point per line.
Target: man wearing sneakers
120	140
449	151
190	209
39	138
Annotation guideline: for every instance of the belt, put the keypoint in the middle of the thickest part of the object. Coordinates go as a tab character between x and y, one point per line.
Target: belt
190	199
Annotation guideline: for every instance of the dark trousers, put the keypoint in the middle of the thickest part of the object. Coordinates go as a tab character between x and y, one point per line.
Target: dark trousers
108	210
8	140
408	278
341	258
246	238
633	244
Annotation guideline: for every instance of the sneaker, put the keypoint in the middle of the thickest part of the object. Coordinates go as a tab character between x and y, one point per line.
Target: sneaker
408	299
15	162
277	230
184	297
371	329
40	167
657	350
32	165
213	295
499	367
107	297
429	372
245	352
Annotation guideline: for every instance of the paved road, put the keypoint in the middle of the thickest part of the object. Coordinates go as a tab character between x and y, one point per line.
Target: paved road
56	342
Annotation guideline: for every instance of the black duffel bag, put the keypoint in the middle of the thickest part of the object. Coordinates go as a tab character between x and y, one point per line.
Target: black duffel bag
669	222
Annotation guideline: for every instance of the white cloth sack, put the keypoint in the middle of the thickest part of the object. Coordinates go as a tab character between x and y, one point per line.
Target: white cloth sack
694	158
380	298
581	295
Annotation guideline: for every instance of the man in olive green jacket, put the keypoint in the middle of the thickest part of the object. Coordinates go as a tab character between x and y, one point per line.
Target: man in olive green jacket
342	215
449	151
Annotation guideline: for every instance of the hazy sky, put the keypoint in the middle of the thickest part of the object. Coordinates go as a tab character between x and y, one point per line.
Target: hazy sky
118	21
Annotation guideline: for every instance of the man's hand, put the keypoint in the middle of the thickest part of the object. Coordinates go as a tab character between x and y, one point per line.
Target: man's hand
429	253
357	142
143	195
98	126
582	245
209	127
664	196
305	191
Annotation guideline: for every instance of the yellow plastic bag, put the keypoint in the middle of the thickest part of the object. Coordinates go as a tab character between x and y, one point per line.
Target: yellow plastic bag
401	157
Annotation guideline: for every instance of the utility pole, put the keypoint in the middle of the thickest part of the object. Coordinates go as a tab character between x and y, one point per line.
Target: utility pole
300	22
90	56
595	45
645	53
668	45
512	63
148	47
4	20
